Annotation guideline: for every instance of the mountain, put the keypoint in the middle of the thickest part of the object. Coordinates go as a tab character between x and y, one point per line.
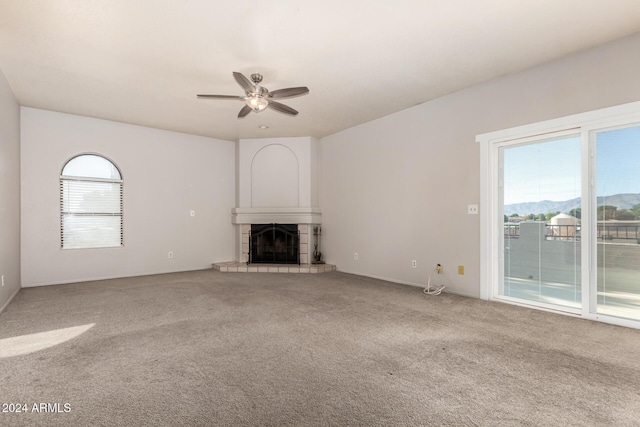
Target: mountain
621	201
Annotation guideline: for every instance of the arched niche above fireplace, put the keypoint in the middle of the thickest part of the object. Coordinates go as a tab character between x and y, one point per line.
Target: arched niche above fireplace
275	177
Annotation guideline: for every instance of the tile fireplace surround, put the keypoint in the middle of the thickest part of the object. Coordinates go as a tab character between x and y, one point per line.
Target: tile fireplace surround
306	252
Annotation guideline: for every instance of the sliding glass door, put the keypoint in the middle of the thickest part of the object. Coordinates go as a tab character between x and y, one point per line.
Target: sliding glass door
541	204
617	231
560	215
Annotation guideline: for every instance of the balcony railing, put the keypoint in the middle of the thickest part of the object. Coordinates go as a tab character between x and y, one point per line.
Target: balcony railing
512	230
629	233
619	232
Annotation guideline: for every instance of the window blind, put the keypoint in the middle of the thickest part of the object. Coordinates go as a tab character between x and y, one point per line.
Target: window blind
91	212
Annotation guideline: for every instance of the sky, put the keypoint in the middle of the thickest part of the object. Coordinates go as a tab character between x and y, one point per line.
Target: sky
550	170
618	161
89	165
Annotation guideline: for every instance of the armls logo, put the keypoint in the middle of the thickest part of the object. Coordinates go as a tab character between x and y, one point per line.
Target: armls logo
51	407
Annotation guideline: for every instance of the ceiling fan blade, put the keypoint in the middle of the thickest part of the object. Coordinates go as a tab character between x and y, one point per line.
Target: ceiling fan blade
244	111
282	108
222	97
244	82
289	92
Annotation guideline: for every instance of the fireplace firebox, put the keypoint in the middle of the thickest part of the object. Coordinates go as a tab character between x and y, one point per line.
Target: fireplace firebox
274	244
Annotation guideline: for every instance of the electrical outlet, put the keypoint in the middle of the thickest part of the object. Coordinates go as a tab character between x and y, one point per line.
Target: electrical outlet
3	280
461	269
414	263
170	254
192	212
355	256
472	209
439	268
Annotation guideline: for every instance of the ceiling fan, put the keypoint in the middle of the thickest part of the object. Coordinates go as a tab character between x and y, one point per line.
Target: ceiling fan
258	98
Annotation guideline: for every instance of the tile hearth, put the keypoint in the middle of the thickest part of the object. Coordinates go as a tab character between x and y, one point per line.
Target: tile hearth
242	267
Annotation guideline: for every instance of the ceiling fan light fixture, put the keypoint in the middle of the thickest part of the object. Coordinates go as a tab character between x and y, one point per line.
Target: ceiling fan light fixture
257	103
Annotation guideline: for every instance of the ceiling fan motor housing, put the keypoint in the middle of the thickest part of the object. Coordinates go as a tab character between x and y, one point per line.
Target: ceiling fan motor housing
261	91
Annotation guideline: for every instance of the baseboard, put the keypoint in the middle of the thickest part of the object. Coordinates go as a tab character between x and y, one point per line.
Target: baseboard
96	279
6	304
402	282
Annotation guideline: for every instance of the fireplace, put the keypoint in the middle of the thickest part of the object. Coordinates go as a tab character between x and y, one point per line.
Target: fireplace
274	244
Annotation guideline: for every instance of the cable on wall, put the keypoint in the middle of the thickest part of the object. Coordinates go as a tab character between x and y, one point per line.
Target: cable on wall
435	289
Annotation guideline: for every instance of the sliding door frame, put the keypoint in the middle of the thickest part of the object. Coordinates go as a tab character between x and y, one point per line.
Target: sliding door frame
491	219
545	137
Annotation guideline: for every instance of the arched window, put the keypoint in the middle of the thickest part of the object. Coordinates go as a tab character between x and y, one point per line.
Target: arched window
90	203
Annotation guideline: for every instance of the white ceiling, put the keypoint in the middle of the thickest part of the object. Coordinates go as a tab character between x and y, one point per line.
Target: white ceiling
144	61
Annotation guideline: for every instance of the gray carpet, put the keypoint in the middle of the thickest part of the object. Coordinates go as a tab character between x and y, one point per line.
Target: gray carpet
209	348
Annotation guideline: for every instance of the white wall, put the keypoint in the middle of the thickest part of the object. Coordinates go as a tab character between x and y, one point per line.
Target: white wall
9	193
397	188
166	174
